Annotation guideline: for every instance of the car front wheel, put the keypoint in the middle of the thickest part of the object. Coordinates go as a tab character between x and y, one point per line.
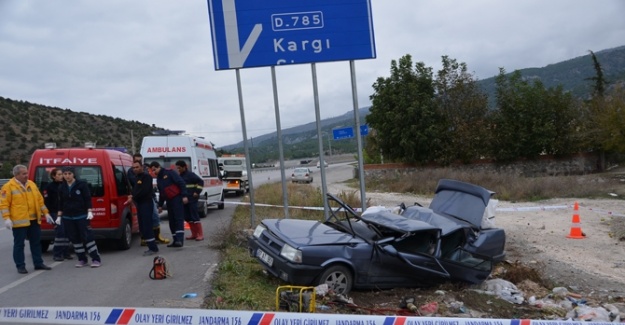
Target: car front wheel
338	278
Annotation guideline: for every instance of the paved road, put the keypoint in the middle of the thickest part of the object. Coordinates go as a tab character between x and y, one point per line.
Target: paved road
123	278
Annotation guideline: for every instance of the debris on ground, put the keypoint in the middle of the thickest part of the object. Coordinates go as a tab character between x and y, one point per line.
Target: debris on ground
494	298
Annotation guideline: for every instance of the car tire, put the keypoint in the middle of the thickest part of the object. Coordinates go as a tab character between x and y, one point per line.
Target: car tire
124	242
338	278
203	210
220	205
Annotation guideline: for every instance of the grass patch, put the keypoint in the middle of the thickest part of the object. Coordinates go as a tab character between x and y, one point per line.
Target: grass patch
508	187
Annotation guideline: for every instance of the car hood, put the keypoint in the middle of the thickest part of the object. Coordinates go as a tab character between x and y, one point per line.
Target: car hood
307	232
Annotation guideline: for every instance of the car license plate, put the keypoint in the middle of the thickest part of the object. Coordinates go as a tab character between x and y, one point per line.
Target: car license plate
264	257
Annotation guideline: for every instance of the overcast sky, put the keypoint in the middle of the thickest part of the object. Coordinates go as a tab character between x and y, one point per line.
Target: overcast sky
152	60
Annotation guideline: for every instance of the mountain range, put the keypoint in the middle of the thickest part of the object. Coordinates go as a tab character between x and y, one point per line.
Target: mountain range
25	126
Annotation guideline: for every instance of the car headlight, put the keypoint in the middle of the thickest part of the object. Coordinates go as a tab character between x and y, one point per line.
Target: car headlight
259	230
291	254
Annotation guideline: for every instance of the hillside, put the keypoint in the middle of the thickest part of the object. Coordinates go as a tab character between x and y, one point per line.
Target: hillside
573	75
301	141
25	127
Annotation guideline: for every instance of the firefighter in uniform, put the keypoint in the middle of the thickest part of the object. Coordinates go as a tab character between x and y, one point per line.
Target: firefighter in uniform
195	184
21	207
172	190
143	196
156	219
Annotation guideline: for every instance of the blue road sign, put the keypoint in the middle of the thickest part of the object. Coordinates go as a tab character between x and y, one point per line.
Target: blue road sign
253	33
343	133
364	129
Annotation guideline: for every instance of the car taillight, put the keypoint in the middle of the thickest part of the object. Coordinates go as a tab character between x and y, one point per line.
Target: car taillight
113	209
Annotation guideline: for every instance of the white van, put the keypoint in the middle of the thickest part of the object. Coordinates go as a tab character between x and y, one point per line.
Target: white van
200	156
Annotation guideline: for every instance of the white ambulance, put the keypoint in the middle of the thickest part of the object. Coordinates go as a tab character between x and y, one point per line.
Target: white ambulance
200	156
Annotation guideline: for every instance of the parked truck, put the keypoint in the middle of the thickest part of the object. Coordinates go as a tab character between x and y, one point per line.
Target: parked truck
234	174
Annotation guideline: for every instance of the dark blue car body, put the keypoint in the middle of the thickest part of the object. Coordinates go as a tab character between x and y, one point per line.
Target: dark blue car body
419	247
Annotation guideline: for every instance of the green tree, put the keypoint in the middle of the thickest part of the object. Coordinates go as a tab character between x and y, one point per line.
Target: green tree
404	113
600	82
596	114
465	107
530	120
612	121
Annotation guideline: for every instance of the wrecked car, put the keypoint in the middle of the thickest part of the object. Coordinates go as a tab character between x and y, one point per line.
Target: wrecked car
415	246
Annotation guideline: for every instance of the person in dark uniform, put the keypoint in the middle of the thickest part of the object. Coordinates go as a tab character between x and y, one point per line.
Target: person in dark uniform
156	219
195	185
172	190
142	195
76	214
61	249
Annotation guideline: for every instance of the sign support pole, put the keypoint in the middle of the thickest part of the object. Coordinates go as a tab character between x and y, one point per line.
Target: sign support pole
285	197
324	188
361	172
247	150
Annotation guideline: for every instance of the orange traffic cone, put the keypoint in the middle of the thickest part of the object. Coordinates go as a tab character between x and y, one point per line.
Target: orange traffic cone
576	228
186	226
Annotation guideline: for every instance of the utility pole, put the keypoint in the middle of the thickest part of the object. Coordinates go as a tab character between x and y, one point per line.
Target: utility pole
132	141
329	145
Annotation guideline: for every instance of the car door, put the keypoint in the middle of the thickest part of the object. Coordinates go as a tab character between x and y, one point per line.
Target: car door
409	259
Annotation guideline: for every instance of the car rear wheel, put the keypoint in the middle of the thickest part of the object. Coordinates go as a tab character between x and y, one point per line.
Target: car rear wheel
338	278
124	242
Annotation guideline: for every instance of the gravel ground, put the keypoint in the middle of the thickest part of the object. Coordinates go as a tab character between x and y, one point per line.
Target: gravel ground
537	235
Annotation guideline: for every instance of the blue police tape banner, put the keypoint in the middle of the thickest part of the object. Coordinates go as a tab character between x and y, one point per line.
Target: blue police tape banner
148	316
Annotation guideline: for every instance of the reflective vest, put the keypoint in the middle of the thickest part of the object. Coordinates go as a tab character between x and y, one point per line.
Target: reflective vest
21	204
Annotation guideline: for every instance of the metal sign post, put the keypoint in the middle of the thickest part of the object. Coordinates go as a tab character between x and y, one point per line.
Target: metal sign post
285	197
322	159
359	129
246	149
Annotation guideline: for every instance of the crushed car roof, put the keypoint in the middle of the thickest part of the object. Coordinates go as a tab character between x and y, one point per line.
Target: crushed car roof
397	222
